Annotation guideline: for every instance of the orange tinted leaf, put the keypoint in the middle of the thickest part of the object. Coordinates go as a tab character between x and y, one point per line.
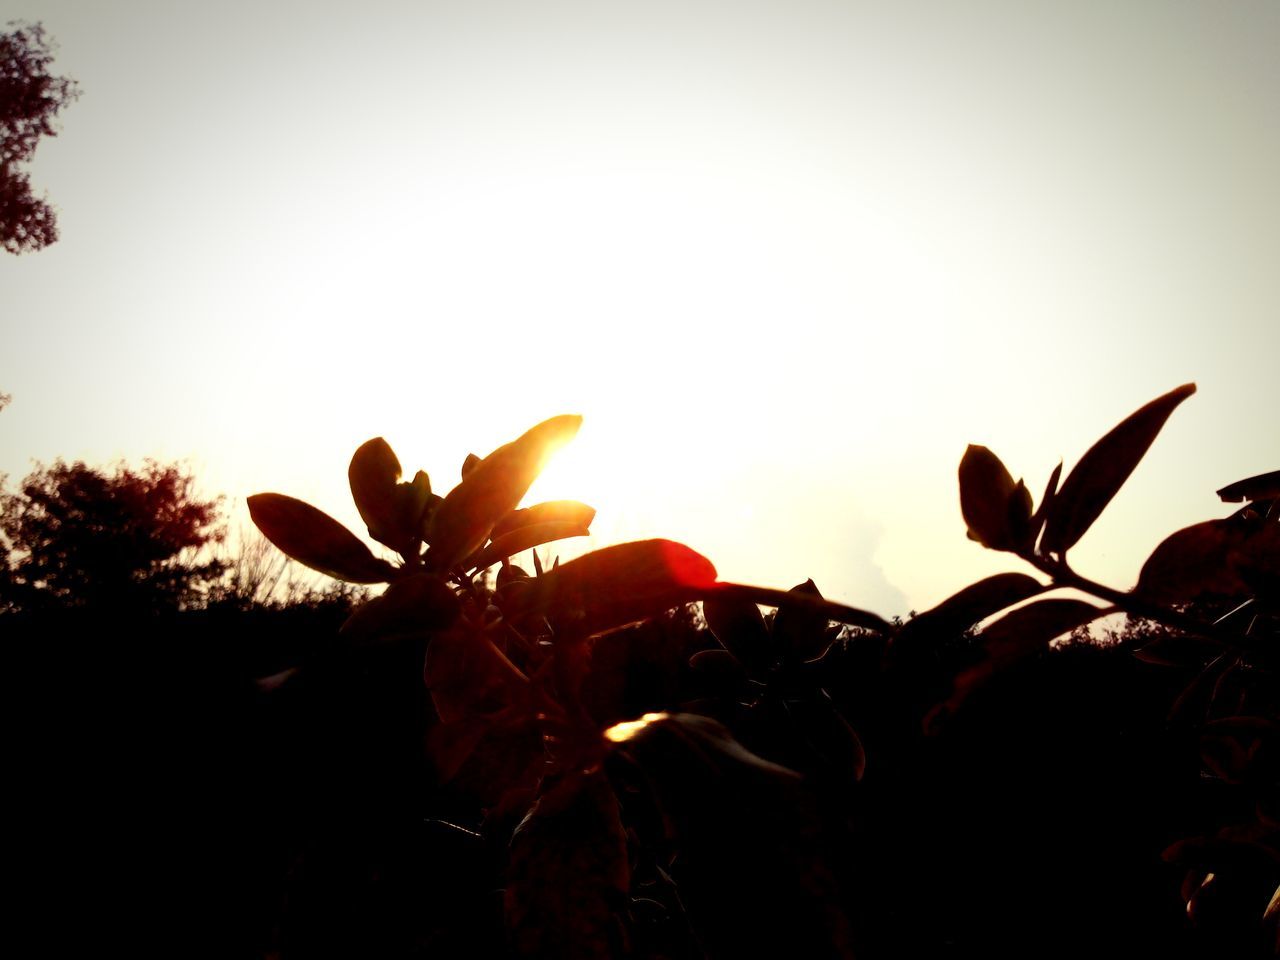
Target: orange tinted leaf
314	538
418	602
469	464
553	511
526	538
373	474
491	489
1103	470
988	498
620	584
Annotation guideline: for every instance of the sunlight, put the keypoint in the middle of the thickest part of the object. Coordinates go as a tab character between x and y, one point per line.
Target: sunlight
622	732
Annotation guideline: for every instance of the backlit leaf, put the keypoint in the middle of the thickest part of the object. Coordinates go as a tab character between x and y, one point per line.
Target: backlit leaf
1104	469
989	498
553	511
1265	486
314	538
1189	563
526	538
373	475
620	584
491	489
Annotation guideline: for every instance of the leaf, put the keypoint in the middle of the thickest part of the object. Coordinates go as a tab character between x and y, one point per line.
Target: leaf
553	511
800	630
1228	558
770	597
620	584
373	474
569	875
1189	563
1103	470
470	464
314	538
962	610
1265	486
990	502
491	489
419	602
736	622
1042	511
526	538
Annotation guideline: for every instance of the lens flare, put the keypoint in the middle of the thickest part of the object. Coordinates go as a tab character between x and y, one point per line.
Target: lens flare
621	732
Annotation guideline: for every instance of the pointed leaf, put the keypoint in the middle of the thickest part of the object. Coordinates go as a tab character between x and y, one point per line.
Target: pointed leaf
1265	486
526	538
491	489
800	631
470	464
770	597
414	500
1042	511
1104	469
989	499
418	602
736	622
373	475
553	511
314	538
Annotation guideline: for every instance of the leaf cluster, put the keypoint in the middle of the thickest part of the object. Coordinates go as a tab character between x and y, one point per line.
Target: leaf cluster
30	99
687	819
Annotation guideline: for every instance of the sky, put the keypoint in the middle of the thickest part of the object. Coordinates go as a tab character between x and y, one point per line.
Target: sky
786	258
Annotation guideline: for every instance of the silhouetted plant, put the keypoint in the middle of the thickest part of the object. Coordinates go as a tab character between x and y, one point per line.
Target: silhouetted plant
125	540
721	820
30	98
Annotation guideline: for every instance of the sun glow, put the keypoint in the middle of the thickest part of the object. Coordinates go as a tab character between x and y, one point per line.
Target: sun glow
622	732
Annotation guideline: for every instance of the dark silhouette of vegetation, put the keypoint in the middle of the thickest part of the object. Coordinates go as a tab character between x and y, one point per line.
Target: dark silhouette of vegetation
30	98
820	782
622	756
125	540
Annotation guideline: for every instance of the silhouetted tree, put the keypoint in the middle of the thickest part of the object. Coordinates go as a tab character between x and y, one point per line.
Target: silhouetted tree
75	536
29	99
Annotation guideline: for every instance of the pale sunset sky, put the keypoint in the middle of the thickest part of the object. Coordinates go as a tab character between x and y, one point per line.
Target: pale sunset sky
787	258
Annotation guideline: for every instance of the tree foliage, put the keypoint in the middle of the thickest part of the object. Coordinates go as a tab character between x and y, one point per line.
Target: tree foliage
128	539
30	98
